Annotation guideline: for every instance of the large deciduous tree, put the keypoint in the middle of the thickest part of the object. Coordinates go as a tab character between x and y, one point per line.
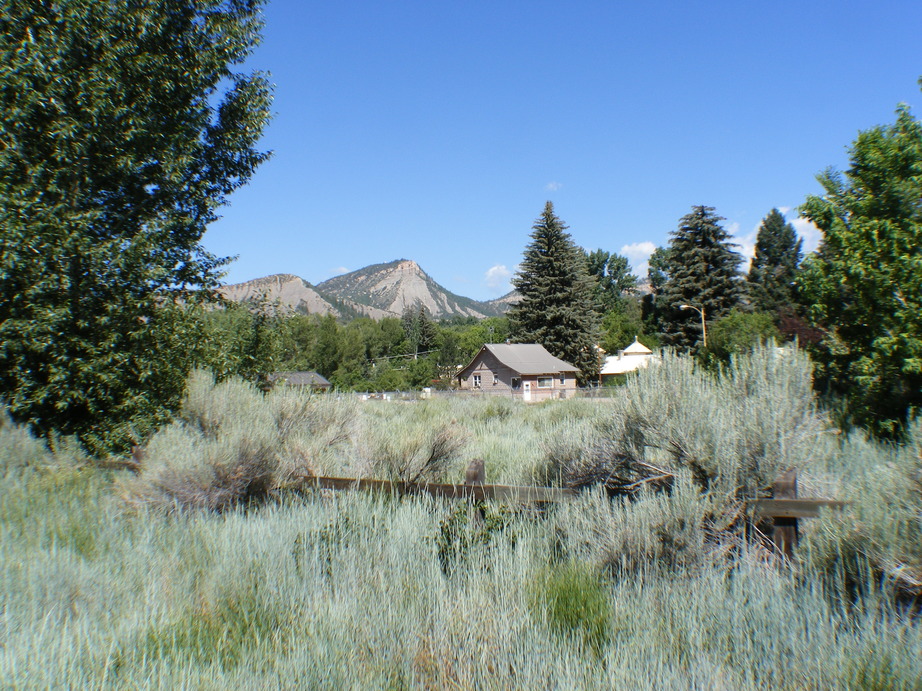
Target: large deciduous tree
774	266
124	129
557	308
702	270
865	283
613	277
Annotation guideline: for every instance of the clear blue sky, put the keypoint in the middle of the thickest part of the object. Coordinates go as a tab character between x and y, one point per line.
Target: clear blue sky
435	131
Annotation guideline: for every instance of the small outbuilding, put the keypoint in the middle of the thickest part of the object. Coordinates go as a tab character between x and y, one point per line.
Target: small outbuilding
308	380
518	370
634	357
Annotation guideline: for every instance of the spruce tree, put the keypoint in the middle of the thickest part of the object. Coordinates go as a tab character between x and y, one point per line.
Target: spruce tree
772	273
557	308
702	271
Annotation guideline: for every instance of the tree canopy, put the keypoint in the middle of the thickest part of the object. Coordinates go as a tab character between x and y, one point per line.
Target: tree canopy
774	266
701	269
125	128
613	277
865	283
557	308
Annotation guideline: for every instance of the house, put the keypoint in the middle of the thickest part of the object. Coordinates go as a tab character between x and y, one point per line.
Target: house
518	370
310	380
634	357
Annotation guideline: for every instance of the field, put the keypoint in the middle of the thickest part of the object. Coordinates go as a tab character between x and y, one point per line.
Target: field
208	569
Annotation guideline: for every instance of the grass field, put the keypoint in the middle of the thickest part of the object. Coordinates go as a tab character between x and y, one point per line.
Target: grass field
198	572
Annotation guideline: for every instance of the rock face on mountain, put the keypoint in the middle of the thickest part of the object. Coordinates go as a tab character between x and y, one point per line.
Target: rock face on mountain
290	291
380	290
394	286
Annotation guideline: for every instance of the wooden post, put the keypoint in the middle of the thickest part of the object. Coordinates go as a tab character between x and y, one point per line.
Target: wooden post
784	534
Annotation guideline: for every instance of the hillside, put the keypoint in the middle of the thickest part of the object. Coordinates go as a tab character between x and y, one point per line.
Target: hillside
380	290
289	290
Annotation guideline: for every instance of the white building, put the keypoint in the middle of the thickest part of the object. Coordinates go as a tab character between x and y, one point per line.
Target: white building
633	357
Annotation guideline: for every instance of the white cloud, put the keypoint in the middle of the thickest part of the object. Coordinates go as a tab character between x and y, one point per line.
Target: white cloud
746	242
809	232
497	278
552	186
638	254
338	271
784	210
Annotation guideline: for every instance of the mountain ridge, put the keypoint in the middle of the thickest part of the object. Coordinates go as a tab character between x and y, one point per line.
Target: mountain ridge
376	291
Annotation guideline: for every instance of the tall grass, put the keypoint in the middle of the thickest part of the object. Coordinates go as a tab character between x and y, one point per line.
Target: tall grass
352	590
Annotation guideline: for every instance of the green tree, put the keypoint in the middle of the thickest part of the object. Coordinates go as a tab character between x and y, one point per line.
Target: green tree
774	267
419	328
613	277
864	284
124	129
620	326
327	346
557	308
703	271
656	278
739	331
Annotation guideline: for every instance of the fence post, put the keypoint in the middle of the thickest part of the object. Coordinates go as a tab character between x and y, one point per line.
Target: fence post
785	534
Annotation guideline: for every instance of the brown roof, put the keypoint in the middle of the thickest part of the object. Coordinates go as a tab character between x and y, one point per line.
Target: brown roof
525	358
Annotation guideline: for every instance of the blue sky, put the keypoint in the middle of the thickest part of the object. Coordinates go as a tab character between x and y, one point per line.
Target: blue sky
436	130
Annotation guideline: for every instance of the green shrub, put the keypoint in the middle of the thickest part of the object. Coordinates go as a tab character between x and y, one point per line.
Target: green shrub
574	601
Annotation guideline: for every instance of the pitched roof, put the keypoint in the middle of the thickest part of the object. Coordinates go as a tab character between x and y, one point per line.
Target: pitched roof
525	358
311	379
637	348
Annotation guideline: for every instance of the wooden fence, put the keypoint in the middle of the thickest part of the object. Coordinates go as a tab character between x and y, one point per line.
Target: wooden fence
777	517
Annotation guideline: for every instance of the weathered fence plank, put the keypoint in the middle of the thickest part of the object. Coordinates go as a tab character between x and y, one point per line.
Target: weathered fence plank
793	508
478	492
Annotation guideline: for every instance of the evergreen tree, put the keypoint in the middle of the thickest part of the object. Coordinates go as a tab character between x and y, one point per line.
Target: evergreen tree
702	271
774	267
557	308
124	129
656	278
419	328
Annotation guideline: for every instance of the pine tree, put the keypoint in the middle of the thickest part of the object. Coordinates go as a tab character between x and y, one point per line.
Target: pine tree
557	308
419	328
702	271
774	267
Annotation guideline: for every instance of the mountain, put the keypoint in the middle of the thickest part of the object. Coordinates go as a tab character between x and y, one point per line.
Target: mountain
289	290
380	290
394	286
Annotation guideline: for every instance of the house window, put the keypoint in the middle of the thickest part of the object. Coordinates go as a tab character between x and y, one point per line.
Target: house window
563	379
545	382
476	381
516	382
495	378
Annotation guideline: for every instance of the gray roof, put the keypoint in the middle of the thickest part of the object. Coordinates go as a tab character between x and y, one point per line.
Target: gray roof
526	358
311	379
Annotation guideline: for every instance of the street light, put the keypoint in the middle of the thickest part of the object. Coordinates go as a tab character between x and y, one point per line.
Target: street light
704	330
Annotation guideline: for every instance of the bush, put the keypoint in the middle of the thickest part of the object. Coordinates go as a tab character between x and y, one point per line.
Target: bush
232	444
735	432
573	601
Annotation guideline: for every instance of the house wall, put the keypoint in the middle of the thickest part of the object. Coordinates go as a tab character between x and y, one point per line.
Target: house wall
486	365
557	390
